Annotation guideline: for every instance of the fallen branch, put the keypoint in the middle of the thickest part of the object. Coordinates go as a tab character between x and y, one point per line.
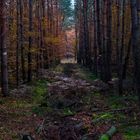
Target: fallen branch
108	135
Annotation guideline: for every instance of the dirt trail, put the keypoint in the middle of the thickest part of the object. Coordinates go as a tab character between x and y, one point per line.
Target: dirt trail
73	99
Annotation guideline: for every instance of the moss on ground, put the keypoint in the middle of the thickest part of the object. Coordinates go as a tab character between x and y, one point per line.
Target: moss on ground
85	74
132	133
39	91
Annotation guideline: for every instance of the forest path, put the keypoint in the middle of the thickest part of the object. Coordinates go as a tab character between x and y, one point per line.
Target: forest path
77	109
67	103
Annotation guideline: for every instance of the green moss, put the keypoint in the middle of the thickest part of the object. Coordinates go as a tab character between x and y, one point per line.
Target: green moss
39	110
39	97
39	91
97	94
91	77
115	102
68	112
104	137
132	133
116	105
85	73
2	101
20	104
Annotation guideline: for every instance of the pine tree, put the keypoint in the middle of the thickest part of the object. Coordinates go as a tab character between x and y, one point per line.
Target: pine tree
3	51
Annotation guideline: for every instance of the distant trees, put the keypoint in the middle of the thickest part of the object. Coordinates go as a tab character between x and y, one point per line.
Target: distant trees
93	22
104	39
67	12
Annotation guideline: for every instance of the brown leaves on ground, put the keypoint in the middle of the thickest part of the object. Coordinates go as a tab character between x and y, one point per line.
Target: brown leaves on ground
76	109
16	118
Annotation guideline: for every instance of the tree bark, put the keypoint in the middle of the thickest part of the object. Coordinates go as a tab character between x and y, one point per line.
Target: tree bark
21	40
135	13
3	47
30	41
17	47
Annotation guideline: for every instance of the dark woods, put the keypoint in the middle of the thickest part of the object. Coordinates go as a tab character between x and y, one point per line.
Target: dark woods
108	39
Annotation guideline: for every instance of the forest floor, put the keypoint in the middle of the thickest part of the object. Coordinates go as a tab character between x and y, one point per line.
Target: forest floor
68	103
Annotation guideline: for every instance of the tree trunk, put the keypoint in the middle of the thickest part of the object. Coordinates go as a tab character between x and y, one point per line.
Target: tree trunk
109	41
21	41
17	48
95	41
135	6
30	41
121	52
3	47
100	63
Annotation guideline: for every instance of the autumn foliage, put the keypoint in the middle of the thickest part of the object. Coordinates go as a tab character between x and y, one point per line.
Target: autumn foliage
34	37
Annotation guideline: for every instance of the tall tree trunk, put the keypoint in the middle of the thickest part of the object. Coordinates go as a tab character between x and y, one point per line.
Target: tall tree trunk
95	40
104	39
135	6
3	47
18	42
30	41
99	38
109	41
21	41
40	34
86	33
121	51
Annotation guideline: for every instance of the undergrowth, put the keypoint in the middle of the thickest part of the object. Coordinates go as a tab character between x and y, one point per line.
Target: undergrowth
39	91
132	133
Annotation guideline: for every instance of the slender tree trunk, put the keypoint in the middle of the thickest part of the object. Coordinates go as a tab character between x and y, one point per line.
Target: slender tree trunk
86	33
104	39
118	35
127	57
18	43
21	41
100	63
38	40
3	47
95	40
30	41
41	35
121	52
109	41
